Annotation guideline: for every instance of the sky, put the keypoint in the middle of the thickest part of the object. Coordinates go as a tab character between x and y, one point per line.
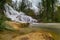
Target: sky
59	0
35	2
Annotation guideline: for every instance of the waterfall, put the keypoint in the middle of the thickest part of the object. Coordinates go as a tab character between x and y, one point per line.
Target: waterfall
17	16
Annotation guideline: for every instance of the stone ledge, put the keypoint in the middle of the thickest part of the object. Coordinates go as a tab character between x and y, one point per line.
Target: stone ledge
50	25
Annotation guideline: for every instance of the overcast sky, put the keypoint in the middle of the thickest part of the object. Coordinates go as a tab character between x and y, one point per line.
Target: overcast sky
59	1
33	1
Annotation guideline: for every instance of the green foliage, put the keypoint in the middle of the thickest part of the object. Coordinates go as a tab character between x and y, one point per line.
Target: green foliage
29	12
48	13
57	16
8	1
22	6
2	16
2	2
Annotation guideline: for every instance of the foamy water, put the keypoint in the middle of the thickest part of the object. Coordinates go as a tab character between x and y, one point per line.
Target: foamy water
17	16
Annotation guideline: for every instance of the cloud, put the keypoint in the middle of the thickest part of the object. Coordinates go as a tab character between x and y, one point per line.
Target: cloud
35	2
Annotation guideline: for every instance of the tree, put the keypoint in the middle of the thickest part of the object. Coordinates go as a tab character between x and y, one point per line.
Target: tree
48	12
53	9
2	2
23	6
2	16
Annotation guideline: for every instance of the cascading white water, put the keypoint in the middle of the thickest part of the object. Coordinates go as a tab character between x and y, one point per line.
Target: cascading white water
17	16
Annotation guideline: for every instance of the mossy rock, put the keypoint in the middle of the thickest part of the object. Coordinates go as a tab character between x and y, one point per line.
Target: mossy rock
14	25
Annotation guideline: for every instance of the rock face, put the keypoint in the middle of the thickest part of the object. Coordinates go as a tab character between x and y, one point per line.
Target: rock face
14	25
35	36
